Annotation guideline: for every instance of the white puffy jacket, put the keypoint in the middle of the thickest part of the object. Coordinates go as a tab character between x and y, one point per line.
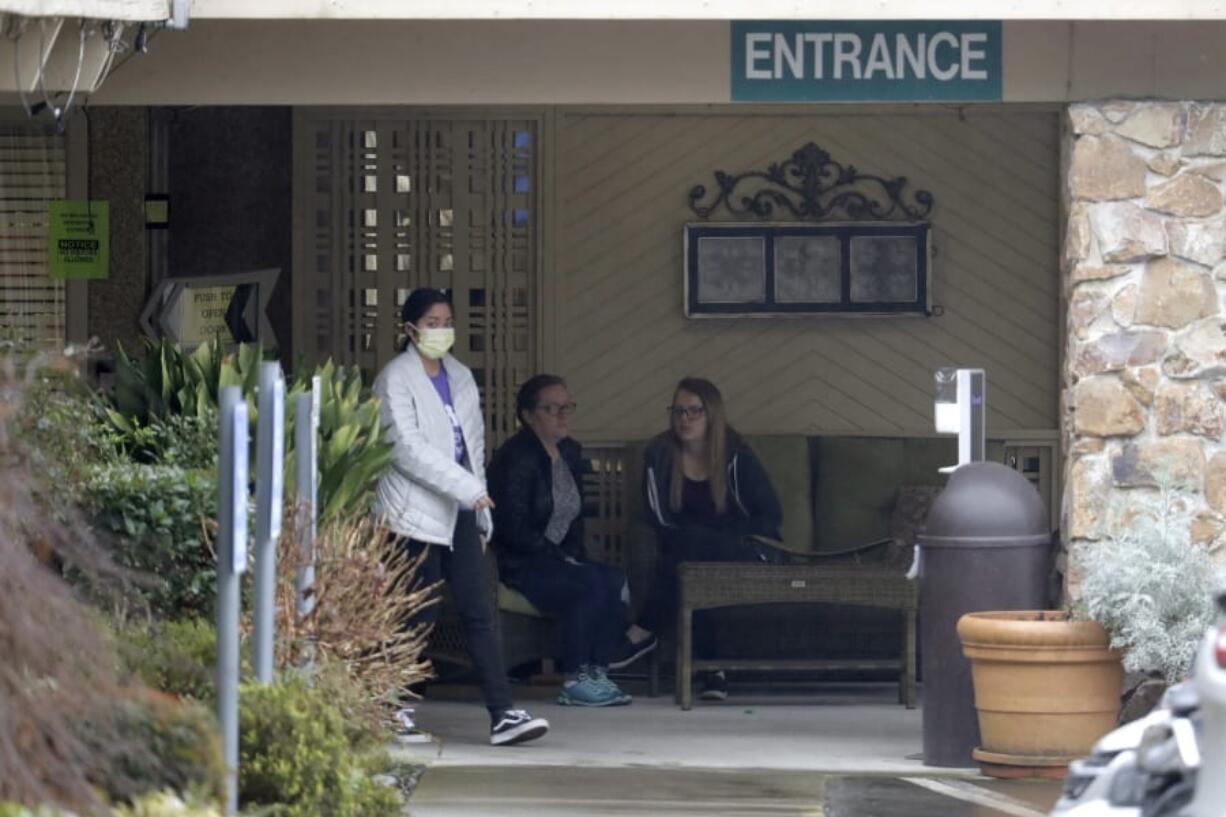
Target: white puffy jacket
425	488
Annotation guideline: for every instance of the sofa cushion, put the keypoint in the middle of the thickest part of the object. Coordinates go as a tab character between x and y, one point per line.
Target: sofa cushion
512	601
907	522
786	459
856	482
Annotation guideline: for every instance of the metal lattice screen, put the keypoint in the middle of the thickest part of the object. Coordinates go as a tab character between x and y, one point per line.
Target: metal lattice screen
385	205
32	174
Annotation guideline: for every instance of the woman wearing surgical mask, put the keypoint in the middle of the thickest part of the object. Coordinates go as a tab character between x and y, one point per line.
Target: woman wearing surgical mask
434	498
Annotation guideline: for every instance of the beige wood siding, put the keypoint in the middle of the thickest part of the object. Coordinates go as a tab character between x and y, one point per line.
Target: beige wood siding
621	180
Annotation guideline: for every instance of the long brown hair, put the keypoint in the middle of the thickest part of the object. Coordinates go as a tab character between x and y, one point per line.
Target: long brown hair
718	432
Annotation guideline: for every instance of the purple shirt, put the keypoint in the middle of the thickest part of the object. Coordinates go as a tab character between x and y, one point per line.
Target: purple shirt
443	387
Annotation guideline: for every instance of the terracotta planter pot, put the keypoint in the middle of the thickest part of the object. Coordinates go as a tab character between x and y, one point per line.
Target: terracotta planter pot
1046	687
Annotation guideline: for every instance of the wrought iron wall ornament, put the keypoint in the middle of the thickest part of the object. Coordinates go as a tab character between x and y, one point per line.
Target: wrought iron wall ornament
813	187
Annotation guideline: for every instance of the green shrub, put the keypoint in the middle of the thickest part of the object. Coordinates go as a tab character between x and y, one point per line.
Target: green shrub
162	744
371	799
352	453
1149	585
176	657
186	440
16	810
65	432
168	383
157	804
295	756
365	728
156	515
167	804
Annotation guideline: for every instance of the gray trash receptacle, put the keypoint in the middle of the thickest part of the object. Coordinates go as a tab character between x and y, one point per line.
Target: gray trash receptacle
986	546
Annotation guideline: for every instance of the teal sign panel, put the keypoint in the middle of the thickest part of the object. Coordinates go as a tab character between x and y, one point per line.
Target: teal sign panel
863	61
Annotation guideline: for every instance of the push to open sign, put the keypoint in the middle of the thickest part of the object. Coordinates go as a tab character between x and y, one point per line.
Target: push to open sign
852	61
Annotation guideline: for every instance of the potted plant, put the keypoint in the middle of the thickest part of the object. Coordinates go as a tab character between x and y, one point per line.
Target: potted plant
1048	683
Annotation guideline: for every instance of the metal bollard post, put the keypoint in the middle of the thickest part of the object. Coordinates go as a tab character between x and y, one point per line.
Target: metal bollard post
231	564
306	437
269	493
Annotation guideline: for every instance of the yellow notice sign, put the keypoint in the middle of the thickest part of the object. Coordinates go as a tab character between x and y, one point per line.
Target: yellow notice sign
202	314
79	237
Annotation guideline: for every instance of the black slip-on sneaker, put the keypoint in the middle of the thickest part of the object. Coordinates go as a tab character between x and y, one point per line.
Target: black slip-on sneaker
517	726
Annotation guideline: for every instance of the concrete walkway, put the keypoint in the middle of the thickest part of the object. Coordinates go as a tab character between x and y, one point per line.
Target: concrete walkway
839	752
552	791
841	729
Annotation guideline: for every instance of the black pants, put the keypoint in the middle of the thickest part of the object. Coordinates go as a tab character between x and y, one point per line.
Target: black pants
694	544
588	599
466	572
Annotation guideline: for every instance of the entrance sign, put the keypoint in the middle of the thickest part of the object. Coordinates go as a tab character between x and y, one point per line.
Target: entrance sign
846	61
79	239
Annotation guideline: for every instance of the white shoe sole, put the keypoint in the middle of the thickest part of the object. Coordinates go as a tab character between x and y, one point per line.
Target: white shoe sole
622	701
415	737
523	733
646	649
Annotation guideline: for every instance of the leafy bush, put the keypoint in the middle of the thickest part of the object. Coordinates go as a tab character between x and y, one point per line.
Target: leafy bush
56	660
158	804
16	810
174	745
295	756
1151	587
64	432
352	454
176	657
168	383
157	516
183	440
167	804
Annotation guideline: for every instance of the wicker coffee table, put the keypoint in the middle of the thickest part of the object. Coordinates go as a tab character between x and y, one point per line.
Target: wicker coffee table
710	585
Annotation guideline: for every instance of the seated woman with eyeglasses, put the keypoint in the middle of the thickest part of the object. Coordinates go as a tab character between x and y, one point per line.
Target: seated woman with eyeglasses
709	500
536	483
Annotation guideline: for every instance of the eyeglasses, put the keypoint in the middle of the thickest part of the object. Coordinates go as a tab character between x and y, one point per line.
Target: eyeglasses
553	409
688	412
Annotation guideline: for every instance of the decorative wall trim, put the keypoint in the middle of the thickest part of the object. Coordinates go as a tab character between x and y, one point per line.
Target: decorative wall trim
811	186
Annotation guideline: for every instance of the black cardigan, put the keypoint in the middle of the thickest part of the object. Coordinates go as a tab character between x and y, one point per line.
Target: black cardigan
520	479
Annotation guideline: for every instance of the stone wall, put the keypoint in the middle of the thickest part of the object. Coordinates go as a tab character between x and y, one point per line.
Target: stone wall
1144	262
118	173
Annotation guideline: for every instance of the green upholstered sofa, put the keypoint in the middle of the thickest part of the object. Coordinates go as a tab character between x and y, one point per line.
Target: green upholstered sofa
838	494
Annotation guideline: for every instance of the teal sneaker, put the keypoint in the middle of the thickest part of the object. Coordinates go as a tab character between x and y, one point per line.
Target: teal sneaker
587	691
601	676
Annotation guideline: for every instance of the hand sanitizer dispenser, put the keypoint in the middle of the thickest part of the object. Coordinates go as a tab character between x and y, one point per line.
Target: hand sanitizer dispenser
961	408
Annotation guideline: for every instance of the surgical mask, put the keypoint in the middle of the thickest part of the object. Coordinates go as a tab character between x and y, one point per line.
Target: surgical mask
435	343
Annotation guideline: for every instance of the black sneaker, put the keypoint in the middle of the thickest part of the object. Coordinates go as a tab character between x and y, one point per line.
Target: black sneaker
629	652
405	730
516	726
714	687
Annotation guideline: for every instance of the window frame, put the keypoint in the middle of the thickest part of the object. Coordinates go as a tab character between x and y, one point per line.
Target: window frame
921	305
